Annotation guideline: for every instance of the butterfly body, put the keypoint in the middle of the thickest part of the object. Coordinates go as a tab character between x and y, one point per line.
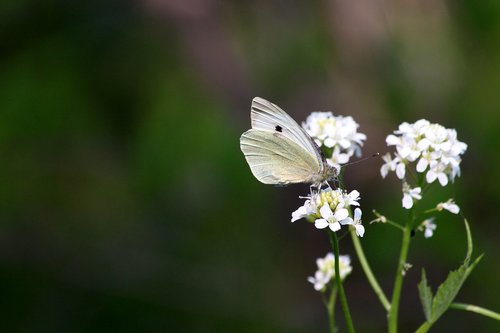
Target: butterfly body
281	152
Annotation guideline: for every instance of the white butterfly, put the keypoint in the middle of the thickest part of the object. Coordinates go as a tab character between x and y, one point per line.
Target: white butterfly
281	152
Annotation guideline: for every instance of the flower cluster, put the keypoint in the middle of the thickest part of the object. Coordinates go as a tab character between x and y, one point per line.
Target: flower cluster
326	270
329	208
435	148
336	135
436	152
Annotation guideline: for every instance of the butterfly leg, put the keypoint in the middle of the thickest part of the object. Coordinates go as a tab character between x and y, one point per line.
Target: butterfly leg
328	187
314	189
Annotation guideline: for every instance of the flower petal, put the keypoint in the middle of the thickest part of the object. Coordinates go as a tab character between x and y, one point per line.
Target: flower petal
360	230
354	195
428	233
392	140
384	170
443	179
329	142
341	214
451	207
431	176
407	201
400	170
335	226
326	211
321	223
357	214
422	164
299	213
346	221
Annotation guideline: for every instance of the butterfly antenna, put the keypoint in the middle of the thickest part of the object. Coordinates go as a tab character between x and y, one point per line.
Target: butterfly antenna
361	160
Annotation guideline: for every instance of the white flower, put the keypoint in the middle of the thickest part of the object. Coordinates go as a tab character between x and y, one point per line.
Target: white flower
338	158
329	208
360	229
449	205
428	226
434	147
391	164
406	267
392	140
412	130
331	219
303	211
409	149
437	171
337	133
409	195
350	199
426	159
326	270
320	280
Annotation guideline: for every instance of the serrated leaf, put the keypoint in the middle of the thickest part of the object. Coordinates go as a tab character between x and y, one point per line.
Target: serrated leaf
449	289
447	292
425	293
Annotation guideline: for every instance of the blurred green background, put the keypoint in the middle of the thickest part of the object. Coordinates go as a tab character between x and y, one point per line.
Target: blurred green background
127	206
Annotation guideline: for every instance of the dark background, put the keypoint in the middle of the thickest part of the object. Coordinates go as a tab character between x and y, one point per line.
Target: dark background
127	206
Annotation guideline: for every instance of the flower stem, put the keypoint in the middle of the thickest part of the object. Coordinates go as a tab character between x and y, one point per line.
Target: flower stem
476	309
343	300
466	307
368	272
432	210
330	305
398	282
394	224
424	327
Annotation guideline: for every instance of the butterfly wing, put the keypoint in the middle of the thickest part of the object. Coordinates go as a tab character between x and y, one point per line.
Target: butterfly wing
275	159
267	116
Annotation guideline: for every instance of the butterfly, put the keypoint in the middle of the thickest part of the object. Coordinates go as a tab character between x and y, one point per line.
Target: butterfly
279	151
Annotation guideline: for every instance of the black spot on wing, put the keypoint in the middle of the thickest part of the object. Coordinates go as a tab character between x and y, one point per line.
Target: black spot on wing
278	128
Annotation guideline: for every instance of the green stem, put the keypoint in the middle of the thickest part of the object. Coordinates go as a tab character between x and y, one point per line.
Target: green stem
424	327
343	299
476	309
368	272
330	305
394	224
398	282
432	210
466	307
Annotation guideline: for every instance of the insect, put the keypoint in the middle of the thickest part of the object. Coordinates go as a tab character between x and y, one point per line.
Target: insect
279	151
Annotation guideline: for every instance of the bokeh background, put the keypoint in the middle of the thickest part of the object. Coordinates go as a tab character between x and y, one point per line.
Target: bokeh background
127	206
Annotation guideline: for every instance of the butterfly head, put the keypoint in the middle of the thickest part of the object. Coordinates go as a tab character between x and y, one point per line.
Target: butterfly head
328	173
331	172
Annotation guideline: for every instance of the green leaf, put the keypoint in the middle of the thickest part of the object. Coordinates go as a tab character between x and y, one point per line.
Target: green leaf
425	296
447	292
449	289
